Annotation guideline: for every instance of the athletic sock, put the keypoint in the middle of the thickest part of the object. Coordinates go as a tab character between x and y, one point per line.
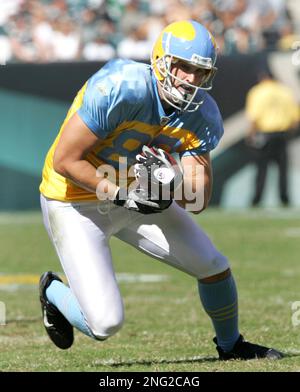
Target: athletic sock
62	297
220	302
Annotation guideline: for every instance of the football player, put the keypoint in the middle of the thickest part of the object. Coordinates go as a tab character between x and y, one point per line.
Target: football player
110	173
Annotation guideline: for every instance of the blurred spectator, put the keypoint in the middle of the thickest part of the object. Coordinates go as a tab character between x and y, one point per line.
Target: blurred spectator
135	45
273	113
131	17
8	8
63	30
42	35
176	11
98	49
21	41
65	41
5	49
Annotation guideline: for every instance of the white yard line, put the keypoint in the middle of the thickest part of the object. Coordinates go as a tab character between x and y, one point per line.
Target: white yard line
12	283
293	232
20	218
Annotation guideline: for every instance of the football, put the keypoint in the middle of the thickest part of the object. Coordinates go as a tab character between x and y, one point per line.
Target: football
157	167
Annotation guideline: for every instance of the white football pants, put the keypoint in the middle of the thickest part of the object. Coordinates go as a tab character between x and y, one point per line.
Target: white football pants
81	231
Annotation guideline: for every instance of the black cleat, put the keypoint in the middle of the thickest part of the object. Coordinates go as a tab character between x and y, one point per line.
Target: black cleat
58	328
245	350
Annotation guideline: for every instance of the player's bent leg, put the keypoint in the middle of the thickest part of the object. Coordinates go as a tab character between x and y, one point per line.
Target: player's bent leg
230	344
58	328
103	329
217	277
176	239
173	237
61	296
95	327
92	303
61	312
219	298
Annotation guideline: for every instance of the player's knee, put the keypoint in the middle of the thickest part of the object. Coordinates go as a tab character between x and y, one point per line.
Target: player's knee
104	328
217	266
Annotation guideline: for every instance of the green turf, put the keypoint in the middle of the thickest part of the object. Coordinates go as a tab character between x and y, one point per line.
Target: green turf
166	328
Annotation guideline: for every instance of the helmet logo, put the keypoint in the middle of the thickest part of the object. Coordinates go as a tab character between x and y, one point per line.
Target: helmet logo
199	60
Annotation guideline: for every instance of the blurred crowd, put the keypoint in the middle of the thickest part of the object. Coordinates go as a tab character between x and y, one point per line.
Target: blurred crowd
98	30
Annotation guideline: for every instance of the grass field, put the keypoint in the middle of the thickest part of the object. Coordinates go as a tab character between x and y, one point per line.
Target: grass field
166	328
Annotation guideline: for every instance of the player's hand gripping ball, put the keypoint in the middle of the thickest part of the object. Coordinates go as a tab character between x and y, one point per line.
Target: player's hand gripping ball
158	171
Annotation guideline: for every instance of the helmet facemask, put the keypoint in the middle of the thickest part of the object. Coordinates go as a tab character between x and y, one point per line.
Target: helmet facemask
188	101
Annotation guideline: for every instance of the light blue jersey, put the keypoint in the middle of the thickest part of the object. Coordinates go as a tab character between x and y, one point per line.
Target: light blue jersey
121	106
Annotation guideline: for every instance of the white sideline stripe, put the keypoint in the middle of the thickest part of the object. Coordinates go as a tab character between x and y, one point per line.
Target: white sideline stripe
289	273
291	213
12	288
293	232
268	212
22	341
12	283
142	278
16	218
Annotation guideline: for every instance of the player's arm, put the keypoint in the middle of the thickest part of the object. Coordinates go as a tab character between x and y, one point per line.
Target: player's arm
253	111
69	160
251	133
197	182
